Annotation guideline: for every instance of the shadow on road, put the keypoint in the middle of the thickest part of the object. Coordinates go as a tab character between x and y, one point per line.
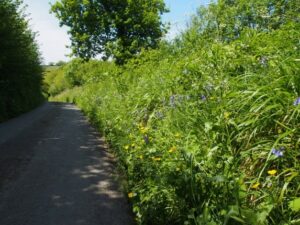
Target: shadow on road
57	171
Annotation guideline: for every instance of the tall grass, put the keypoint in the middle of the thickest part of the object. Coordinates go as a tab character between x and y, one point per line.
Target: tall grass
205	135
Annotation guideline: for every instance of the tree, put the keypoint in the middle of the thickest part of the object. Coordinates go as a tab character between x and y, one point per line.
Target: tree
111	28
60	63
20	69
225	20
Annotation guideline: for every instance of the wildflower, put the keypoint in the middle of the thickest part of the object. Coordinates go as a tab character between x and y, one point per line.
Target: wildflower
144	130
133	145
172	101
126	147
263	61
156	158
131	195
279	131
297	101
203	97
256	185
272	172
172	149
278	153
226	115
177	135
159	115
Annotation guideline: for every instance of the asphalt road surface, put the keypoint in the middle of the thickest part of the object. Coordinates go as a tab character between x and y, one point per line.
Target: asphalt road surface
56	170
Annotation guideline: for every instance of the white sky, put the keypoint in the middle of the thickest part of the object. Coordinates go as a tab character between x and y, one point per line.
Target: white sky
53	39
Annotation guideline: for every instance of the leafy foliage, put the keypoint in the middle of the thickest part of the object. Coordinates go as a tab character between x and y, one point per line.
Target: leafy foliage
117	28
73	74
206	129
20	70
226	20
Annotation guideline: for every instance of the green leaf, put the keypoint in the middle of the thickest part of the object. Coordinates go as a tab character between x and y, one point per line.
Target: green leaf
208	127
295	205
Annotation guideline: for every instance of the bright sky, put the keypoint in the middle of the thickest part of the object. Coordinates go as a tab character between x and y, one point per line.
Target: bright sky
53	39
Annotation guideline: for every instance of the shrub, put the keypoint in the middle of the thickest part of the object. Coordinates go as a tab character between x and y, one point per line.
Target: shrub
20	70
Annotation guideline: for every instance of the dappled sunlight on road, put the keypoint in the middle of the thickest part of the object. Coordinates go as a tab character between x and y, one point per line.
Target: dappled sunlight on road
69	177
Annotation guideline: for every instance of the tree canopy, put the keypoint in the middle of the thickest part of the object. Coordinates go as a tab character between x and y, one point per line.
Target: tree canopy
227	19
111	28
20	70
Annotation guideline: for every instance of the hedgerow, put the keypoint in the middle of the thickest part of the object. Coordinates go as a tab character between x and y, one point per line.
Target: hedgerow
20	62
206	130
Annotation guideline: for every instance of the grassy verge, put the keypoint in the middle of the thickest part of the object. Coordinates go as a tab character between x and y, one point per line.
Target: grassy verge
205	135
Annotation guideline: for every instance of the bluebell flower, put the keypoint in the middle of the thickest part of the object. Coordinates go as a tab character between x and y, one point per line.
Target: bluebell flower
263	61
203	97
297	101
172	101
159	115
278	153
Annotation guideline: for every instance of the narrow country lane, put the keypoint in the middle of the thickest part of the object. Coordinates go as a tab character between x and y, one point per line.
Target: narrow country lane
55	170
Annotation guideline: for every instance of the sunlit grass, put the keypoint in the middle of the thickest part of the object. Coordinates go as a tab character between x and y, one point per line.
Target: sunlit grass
205	137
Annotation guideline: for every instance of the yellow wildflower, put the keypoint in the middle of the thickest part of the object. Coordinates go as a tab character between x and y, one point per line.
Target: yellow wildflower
173	149
131	195
144	130
279	131
272	172
256	185
156	158
226	115
126	147
177	135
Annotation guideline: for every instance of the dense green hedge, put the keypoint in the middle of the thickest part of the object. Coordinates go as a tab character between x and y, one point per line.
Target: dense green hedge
206	129
20	70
